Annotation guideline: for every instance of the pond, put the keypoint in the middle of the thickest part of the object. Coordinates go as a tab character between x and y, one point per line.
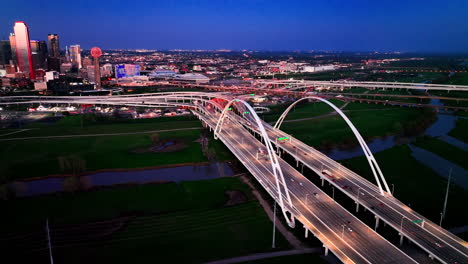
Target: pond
173	174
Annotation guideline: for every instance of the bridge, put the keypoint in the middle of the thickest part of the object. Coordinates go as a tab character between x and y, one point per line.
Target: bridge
260	147
301	84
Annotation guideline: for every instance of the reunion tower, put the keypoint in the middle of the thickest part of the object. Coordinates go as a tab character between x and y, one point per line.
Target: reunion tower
96	53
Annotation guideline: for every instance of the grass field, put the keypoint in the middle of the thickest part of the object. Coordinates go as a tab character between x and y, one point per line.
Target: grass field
302	110
444	149
416	184
40	157
461	130
178	223
72	126
376	121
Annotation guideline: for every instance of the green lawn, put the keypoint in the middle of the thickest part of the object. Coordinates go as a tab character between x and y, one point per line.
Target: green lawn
303	110
40	157
376	122
72	126
416	184
177	223
444	149
461	130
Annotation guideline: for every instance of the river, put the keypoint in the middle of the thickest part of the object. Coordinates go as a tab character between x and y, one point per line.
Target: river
100	179
444	124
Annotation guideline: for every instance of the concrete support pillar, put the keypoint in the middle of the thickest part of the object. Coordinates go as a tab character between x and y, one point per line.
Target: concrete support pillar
326	250
323	181
376	222
297	163
401	239
306	232
357	207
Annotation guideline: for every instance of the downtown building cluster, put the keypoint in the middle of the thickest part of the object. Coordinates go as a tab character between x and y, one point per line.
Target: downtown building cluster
26	63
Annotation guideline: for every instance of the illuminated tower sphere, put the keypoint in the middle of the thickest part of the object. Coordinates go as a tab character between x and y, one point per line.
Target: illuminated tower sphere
96	53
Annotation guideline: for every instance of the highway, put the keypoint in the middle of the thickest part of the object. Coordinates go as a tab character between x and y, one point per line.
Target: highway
329	221
435	240
345	235
300	84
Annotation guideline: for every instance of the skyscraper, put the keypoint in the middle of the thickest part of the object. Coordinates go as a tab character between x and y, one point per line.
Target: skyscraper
54	45
23	49
75	56
39	54
13	48
5	52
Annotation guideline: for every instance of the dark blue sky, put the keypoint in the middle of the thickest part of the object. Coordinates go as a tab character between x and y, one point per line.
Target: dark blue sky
336	25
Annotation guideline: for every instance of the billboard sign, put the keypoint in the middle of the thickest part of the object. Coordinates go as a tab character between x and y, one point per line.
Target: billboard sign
120	71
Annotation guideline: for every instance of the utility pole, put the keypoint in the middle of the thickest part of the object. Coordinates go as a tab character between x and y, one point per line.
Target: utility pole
49	242
274	226
442	216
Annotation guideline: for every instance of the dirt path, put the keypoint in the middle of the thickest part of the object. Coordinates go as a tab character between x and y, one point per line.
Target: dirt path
279	225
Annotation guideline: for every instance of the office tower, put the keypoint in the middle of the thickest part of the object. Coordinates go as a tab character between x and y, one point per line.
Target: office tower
86	61
54	45
107	70
75	56
13	48
39	54
23	49
67	54
5	52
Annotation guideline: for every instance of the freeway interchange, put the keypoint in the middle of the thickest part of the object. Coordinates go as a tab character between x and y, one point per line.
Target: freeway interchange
351	240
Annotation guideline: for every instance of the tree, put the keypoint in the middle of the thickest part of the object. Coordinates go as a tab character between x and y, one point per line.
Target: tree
155	138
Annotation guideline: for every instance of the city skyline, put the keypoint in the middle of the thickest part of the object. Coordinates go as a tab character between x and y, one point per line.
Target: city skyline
420	26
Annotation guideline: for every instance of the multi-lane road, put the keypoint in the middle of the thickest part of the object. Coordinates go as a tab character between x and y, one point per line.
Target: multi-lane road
341	232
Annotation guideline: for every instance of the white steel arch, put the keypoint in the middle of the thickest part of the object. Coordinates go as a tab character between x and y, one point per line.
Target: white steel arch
276	168
370	158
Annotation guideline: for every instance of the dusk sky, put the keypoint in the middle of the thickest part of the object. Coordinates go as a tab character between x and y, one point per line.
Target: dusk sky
335	25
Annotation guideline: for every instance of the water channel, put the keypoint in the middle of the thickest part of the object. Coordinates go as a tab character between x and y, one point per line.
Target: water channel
444	124
158	175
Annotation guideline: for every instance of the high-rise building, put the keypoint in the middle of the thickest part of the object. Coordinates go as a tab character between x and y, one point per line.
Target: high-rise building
107	70
39	54
67	54
13	48
86	61
54	45
23	49
5	52
75	56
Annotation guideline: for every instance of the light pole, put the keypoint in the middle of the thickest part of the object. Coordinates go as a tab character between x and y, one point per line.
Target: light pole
274	227
342	231
333	196
307	197
442	215
393	188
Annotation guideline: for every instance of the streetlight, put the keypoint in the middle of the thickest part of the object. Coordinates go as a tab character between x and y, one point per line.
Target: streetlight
393	188
274	227
333	196
446	197
342	232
